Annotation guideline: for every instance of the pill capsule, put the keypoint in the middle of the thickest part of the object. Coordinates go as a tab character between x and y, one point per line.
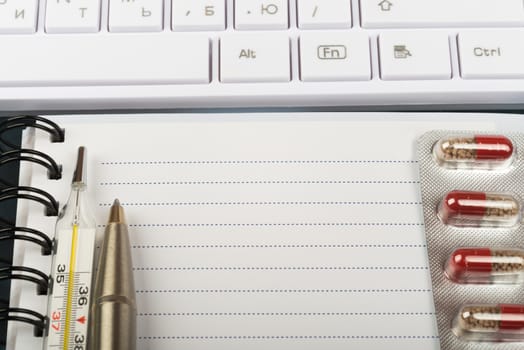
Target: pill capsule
499	322
486	265
473	209
474	152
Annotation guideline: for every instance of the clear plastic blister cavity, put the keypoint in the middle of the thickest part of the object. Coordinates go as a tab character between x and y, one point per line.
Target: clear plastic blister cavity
472	186
474	151
485	265
484	209
490	322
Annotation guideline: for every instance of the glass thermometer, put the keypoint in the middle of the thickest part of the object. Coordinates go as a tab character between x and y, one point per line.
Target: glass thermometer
72	268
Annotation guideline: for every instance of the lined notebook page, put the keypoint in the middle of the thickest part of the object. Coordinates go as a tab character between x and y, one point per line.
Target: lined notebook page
262	232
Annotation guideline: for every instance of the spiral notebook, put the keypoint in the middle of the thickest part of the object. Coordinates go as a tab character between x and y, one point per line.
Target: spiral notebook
276	231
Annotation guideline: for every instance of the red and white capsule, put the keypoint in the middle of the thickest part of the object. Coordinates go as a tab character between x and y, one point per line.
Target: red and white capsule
484	209
497	322
474	152
486	265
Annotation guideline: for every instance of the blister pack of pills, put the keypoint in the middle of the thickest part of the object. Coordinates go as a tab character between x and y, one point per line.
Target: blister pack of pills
472	187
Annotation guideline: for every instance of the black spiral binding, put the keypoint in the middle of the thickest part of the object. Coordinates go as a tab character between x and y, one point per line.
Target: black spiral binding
25	315
10	156
10	152
29	274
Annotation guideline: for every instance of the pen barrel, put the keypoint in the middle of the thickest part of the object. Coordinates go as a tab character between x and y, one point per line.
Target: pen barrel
115	324
114	303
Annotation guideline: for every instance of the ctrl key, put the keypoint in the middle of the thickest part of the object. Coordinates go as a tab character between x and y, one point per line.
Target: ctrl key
496	322
495	54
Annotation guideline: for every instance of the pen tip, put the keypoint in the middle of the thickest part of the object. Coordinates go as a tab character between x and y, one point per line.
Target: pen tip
116	215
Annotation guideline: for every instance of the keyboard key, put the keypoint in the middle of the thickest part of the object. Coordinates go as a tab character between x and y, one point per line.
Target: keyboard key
330	56
414	55
120	59
316	14
136	15
491	54
72	16
261	14
261	57
18	16
441	13
190	15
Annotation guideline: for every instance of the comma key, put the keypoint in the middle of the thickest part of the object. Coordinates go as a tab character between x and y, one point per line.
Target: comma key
191	15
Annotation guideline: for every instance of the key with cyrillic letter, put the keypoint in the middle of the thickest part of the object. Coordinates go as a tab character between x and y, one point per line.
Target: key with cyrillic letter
136	15
72	16
18	16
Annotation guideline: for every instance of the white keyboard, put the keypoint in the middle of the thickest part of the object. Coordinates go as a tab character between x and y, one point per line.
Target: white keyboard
164	54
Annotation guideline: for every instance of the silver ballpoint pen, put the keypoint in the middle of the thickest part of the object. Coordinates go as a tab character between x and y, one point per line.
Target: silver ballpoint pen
113	320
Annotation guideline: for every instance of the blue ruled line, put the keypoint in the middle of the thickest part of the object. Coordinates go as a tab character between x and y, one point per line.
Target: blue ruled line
245	203
260	182
286	337
278	268
264	291
278	224
220	162
243	246
191	314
